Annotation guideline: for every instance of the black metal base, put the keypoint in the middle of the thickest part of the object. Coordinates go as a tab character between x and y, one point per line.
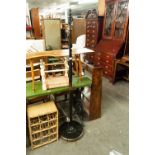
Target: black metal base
71	131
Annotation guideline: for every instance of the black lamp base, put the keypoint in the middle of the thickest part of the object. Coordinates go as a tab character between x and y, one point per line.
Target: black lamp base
71	131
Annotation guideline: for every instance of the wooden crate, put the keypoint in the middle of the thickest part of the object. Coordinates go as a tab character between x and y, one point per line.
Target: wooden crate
42	123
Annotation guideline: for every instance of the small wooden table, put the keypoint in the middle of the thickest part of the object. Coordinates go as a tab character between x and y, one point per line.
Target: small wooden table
123	61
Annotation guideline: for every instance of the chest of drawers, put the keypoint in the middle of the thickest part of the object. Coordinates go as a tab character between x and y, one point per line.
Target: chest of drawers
106	53
94	26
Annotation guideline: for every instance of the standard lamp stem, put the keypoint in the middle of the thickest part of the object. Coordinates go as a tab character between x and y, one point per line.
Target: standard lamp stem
70	65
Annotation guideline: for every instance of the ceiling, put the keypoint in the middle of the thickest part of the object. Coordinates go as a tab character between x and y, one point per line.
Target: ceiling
78	6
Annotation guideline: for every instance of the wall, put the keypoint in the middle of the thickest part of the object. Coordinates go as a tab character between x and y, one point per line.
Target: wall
101	7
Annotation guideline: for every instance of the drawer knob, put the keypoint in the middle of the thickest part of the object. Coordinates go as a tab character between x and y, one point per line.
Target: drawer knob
106	72
107	60
106	66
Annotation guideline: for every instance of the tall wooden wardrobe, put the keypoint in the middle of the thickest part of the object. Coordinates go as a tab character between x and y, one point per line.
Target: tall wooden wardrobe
112	44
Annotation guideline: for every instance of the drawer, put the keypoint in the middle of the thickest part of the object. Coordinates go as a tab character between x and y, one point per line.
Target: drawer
97	58
93	41
91	56
107	56
88	39
93	36
107	73
107	62
107	67
90	36
98	64
90	45
90	31
88	22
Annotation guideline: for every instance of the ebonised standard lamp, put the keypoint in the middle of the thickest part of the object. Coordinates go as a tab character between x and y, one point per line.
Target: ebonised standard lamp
71	130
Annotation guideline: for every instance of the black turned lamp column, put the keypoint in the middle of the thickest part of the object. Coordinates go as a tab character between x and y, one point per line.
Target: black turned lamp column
71	130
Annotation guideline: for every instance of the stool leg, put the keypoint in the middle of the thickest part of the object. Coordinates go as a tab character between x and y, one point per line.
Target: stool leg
76	65
80	68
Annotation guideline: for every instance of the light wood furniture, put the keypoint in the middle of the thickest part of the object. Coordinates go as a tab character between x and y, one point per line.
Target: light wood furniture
34	12
42	123
56	76
51	29
55	53
33	73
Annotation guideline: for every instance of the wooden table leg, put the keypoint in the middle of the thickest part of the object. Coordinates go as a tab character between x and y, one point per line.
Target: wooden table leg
115	67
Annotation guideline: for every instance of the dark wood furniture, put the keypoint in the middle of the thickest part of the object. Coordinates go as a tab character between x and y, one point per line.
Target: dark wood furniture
121	69
112	44
92	96
94	26
34	12
79	28
121	66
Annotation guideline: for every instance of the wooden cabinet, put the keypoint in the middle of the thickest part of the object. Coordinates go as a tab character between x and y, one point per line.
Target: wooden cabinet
112	44
35	22
94	26
79	28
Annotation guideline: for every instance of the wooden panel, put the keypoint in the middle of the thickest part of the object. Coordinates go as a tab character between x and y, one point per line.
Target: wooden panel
96	94
52	33
79	28
36	22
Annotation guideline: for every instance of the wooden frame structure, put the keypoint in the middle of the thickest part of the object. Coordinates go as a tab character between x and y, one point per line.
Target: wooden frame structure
32	56
43	123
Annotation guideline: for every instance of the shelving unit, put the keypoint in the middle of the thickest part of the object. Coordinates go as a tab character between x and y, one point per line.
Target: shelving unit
43	123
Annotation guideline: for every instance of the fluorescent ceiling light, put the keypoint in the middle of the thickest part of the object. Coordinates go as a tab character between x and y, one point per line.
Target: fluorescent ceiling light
87	1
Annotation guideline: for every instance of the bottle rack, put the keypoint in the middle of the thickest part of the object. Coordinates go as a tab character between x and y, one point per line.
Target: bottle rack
43	124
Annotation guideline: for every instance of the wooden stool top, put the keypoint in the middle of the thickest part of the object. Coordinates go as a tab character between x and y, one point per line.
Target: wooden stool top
36	110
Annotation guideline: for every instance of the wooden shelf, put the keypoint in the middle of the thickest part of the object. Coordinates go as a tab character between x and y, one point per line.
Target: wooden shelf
50	120
34	132
42	137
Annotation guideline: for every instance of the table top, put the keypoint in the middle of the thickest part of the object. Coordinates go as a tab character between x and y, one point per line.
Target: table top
76	83
57	53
